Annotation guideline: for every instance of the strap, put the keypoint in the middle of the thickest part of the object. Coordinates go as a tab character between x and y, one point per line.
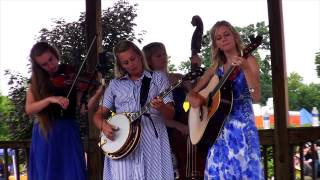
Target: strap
143	97
144	90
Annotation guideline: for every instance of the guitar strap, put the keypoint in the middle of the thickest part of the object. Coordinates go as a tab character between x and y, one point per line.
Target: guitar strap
144	96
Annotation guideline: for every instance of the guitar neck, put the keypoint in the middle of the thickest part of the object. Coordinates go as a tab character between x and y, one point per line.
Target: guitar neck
223	79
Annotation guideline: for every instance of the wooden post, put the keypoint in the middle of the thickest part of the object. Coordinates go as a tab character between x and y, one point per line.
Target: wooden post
283	161
93	27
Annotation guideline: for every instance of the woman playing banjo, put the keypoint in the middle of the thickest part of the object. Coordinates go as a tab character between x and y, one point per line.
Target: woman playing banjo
151	158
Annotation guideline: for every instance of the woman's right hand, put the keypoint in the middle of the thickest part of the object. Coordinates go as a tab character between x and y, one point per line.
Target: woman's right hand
195	99
108	129
62	101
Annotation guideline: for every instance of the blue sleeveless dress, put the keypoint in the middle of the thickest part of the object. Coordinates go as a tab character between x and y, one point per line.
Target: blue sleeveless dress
236	153
60	155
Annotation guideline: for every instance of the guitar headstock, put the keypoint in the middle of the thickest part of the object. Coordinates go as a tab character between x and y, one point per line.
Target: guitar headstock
254	43
194	73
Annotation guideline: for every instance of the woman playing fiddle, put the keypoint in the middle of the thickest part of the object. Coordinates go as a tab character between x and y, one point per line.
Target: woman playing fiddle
56	150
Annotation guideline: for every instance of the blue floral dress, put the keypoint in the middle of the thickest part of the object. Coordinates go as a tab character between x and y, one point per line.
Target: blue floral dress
236	153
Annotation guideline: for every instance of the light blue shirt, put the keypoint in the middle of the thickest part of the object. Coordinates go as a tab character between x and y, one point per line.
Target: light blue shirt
152	158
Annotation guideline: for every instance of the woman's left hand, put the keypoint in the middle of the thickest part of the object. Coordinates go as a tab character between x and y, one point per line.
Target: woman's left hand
239	61
157	102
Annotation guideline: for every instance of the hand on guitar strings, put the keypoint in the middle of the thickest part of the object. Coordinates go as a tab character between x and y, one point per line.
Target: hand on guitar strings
195	99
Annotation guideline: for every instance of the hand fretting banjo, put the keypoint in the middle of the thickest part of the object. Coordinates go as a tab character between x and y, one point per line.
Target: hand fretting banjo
127	136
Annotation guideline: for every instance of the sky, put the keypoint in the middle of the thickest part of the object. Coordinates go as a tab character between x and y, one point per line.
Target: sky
166	21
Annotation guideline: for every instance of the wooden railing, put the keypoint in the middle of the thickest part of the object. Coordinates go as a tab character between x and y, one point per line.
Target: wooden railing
20	151
297	138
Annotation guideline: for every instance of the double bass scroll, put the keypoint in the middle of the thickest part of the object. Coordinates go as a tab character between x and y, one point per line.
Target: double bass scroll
196	155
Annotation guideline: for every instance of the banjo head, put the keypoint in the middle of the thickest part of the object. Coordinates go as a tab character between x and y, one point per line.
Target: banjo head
120	136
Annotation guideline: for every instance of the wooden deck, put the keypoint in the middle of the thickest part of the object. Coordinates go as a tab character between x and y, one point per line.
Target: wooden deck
296	138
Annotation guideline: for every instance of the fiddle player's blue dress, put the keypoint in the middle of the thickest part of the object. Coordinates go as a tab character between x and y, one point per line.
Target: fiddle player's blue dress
60	155
236	153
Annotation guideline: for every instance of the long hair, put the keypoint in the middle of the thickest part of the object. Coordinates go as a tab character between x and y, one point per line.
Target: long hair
151	48
218	56
123	46
41	86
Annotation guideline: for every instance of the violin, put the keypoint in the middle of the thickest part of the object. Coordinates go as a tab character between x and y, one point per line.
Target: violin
65	76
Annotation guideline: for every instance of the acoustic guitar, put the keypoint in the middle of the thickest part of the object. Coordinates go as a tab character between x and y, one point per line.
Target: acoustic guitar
206	122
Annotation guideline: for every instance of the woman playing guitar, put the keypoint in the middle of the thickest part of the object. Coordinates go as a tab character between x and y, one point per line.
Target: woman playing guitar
236	152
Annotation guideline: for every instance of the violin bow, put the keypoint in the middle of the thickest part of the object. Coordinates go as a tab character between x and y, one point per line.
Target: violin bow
79	71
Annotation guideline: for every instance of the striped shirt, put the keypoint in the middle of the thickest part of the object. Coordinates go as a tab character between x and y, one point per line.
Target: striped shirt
151	160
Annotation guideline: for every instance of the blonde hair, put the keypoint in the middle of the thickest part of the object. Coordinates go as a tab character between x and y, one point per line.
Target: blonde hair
150	49
123	46
218	57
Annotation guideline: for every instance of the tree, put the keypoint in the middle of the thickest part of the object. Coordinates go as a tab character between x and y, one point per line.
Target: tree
69	38
317	63
18	122
5	109
302	95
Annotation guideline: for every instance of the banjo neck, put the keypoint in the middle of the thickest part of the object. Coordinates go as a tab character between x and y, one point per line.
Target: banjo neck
189	76
145	108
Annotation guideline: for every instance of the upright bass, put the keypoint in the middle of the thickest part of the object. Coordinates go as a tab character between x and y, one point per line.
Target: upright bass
196	155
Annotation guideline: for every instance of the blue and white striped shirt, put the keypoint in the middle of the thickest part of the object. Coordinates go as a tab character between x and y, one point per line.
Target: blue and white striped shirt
151	160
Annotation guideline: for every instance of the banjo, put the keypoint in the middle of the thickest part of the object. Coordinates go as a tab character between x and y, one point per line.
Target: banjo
127	137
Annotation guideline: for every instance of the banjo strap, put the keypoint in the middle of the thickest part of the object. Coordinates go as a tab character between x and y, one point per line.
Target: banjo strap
144	90
144	96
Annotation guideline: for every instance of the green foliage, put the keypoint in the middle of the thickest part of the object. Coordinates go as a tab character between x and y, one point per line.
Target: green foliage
264	62
19	124
302	95
70	39
171	67
270	161
118	24
5	109
317	63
